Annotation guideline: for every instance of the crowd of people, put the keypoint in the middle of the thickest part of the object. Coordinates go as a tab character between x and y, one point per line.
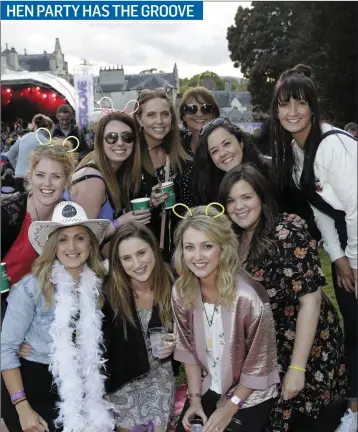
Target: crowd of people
164	247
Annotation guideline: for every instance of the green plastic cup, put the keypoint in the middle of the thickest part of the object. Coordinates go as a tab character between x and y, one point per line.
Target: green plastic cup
140	204
168	188
4	279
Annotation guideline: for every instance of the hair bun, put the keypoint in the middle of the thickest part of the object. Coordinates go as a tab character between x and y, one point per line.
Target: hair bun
304	70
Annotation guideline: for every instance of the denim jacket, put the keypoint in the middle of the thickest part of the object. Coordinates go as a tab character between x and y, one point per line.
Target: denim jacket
26	320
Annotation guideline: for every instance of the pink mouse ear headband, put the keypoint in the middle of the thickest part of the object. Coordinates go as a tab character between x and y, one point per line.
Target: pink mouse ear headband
109	109
49	142
206	210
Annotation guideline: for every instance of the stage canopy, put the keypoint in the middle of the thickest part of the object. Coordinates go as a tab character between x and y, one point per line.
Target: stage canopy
24	94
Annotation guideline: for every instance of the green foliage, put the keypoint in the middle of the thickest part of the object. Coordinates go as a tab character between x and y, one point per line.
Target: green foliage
198	80
150	71
273	36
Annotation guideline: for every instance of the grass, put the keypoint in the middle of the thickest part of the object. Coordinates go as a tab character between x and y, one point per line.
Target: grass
328	289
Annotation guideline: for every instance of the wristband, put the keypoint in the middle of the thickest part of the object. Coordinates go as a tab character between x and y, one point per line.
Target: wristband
297	368
191	395
18	402
17	395
115	223
235	399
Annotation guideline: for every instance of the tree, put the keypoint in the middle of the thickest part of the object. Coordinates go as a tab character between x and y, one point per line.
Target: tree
198	80
274	36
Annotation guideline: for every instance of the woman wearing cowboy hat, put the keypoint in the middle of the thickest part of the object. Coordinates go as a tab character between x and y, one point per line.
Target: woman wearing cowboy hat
56	310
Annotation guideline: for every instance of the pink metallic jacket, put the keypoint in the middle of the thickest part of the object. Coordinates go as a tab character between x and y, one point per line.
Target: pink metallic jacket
249	357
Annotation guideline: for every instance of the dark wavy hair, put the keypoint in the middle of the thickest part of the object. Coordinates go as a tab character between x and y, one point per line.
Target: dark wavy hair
207	177
295	83
261	242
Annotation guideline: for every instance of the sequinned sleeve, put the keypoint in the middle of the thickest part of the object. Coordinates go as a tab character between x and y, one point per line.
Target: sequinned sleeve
259	370
182	318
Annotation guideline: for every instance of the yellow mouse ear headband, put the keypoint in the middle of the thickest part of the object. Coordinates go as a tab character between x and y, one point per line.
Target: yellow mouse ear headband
50	140
206	210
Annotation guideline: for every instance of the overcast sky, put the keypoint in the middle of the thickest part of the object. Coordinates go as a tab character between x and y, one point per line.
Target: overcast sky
194	46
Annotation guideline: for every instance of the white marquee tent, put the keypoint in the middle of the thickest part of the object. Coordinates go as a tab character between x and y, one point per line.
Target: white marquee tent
44	79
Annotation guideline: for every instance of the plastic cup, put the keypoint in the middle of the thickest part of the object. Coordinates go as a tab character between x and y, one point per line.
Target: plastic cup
156	339
4	279
140	204
168	188
196	424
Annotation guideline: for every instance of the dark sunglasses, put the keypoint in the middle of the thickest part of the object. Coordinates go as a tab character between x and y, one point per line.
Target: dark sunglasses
216	123
113	137
192	109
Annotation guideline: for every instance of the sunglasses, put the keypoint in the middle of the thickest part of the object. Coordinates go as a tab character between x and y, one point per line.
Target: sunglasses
216	123
192	109
160	91
113	137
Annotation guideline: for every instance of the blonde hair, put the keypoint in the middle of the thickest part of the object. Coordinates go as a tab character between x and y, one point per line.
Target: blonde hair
171	142
220	232
126	182
42	266
118	287
55	152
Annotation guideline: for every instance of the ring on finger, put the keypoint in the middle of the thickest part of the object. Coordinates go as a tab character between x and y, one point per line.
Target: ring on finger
133	212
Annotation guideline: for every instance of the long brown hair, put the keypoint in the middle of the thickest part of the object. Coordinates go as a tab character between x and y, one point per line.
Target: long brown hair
118	286
171	142
41	268
124	184
262	242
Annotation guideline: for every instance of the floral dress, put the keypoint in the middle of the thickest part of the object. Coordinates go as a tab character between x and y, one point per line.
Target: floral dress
293	270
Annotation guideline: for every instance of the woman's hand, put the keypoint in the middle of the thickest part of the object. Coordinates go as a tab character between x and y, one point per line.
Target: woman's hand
142	216
24	351
195	409
165	351
29	419
293	383
345	275
157	198
220	418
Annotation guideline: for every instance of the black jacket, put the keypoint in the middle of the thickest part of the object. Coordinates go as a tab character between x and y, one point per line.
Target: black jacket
77	132
127	358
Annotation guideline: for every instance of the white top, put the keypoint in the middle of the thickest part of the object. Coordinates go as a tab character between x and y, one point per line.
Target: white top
214	341
335	167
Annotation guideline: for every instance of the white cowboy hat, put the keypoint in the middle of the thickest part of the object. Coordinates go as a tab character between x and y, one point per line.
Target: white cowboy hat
66	214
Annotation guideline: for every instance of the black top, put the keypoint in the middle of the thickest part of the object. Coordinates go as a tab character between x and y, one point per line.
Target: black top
13	212
183	194
77	132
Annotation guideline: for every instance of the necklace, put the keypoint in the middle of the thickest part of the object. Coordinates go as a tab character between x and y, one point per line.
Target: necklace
210	321
37	213
153	148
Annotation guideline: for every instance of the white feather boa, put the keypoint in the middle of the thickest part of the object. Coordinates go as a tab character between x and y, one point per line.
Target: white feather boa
76	368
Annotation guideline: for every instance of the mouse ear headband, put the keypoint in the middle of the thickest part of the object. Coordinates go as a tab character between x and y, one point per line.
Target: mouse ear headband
206	210
50	140
109	109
